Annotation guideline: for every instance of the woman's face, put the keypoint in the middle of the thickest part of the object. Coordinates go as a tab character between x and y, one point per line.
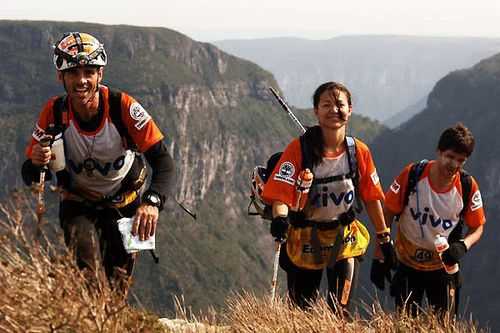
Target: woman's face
333	109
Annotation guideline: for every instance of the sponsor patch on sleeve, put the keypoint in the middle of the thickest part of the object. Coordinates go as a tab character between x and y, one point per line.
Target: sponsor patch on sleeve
476	200
38	133
140	115
374	177
285	173
395	187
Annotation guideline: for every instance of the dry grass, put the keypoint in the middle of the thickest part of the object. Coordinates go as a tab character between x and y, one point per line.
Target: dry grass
43	291
248	313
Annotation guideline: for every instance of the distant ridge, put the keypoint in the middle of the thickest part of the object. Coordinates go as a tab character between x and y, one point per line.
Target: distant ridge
385	73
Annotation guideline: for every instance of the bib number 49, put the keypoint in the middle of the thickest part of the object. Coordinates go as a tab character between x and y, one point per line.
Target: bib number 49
423	255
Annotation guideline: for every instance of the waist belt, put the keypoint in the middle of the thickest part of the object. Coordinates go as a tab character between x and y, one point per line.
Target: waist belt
323	226
298	220
118	201
123	199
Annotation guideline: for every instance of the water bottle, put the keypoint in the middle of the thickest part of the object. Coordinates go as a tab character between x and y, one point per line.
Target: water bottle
441	244
304	182
57	160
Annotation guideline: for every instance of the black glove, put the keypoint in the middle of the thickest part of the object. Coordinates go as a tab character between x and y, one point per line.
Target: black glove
279	227
379	272
389	255
454	253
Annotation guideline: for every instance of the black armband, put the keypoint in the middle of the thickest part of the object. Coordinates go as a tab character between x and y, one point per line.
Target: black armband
162	164
31	174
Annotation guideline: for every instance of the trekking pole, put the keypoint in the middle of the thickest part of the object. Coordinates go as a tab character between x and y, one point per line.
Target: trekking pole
287	110
40	207
193	215
274	282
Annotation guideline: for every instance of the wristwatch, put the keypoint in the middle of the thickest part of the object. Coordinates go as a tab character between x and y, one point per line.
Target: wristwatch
152	198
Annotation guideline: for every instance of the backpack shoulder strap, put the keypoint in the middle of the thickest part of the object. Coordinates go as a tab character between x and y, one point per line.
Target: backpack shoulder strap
352	159
115	112
416	171
350	144
306	153
466	182
60	110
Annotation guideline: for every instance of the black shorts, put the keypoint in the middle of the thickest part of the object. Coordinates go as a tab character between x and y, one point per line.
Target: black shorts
92	232
409	285
303	284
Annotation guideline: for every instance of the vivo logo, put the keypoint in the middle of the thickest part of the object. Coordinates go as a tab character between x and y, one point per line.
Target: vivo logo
423	218
322	199
102	169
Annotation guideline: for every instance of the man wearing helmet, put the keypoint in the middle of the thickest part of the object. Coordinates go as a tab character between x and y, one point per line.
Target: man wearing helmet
105	135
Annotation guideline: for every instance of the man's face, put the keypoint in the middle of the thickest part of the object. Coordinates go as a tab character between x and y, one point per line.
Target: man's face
449	162
81	82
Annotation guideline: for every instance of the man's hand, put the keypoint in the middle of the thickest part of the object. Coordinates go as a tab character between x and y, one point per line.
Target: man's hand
146	219
40	156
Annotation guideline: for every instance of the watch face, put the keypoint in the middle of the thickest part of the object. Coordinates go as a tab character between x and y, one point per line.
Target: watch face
153	199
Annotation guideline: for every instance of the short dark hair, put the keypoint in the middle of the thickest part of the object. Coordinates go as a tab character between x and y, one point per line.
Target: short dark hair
457	138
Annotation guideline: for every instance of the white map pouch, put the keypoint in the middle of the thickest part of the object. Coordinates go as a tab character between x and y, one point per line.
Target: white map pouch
133	243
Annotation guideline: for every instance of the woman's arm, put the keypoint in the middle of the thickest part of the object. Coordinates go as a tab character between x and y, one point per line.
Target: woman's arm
376	215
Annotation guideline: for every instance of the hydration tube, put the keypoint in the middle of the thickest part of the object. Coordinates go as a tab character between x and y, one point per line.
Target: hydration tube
417	176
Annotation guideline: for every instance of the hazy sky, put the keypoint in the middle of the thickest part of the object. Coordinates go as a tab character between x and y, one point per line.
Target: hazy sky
210	20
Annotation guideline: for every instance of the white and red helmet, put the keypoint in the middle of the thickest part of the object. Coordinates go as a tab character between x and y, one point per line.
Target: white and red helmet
262	207
79	49
258	182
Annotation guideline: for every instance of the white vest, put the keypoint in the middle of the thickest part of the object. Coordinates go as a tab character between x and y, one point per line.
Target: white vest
327	201
105	146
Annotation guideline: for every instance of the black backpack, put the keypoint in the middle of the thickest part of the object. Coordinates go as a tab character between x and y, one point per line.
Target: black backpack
61	107
261	174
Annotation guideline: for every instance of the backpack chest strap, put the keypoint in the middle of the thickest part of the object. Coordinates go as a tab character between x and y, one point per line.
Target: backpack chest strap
336	178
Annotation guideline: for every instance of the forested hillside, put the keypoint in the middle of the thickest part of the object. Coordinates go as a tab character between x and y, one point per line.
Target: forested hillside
219	119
